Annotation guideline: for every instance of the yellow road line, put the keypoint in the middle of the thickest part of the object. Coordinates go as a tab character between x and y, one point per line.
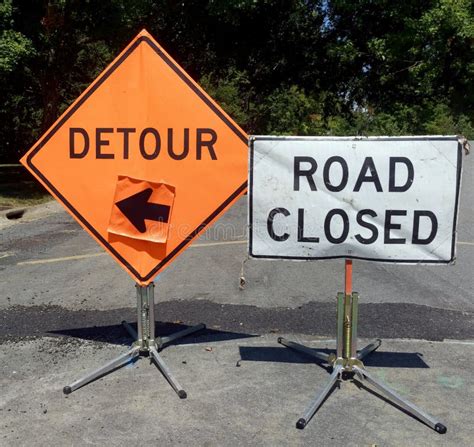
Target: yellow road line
94	255
66	258
212	244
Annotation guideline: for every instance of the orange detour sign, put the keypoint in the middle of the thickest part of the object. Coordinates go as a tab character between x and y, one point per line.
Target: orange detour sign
144	159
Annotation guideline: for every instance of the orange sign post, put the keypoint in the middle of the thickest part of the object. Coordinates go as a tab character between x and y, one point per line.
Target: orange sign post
145	161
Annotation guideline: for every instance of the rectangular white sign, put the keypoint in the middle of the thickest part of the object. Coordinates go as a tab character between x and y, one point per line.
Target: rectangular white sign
386	199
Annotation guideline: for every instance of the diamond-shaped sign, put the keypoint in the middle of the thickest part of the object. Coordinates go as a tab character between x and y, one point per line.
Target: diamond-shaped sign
144	159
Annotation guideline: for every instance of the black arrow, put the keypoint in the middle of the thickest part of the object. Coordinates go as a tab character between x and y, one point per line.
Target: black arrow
136	209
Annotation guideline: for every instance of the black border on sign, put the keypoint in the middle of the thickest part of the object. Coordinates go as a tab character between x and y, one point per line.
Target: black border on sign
314	258
95	86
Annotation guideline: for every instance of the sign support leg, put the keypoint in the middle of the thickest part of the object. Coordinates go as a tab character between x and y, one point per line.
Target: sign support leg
146	343
346	362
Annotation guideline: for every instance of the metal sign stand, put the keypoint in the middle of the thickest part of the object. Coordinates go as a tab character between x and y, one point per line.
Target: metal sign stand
347	362
146	343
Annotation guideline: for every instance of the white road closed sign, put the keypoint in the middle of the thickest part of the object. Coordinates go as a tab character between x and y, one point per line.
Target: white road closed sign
379	199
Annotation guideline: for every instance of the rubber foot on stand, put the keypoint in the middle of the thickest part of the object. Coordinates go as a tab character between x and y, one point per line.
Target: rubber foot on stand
67	390
182	394
301	424
279	339
346	375
440	428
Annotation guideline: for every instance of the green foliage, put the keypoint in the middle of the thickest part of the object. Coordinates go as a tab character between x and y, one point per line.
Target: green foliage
312	67
430	119
14	48
442	121
230	92
292	112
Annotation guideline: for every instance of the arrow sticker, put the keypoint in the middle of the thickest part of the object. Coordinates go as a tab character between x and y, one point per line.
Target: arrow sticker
142	209
137	208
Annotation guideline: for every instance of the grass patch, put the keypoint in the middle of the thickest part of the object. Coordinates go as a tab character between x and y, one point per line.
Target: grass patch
18	188
20	195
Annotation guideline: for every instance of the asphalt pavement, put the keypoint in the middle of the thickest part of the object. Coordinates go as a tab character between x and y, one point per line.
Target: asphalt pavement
62	300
